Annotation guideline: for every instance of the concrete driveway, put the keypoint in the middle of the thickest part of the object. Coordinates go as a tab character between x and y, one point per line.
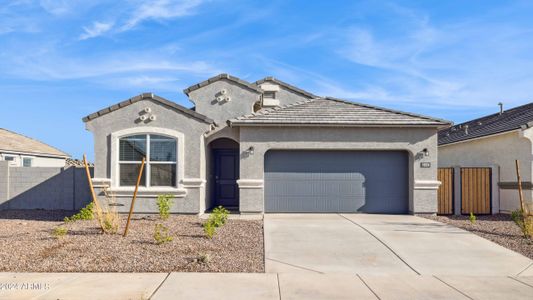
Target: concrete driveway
367	244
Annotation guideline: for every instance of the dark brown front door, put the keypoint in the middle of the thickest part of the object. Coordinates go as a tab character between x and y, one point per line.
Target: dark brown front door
226	175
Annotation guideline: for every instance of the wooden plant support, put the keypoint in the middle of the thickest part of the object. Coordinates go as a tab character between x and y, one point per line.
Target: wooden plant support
134	196
95	201
520	194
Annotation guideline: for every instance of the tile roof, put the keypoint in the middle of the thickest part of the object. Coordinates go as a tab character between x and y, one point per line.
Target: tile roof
18	143
149	96
335	112
286	85
511	119
239	81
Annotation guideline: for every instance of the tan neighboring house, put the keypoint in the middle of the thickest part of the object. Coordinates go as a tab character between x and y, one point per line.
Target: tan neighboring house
480	155
22	151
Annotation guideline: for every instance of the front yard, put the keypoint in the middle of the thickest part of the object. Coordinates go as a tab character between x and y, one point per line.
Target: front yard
497	228
28	244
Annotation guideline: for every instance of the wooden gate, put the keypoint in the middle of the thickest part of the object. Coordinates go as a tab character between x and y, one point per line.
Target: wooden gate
475	190
445	193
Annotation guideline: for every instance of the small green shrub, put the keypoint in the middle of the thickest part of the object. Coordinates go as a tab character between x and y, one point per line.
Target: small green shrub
219	216
209	229
524	222
164	203
86	213
60	232
161	234
204	258
472	218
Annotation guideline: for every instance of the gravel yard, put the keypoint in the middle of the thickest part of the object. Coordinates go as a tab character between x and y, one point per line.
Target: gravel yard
28	245
497	228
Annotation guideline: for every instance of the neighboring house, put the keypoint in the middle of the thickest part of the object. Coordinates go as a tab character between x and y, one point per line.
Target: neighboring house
490	143
22	151
266	147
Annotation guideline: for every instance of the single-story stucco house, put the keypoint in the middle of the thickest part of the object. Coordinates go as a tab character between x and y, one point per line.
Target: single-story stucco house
22	151
493	143
266	146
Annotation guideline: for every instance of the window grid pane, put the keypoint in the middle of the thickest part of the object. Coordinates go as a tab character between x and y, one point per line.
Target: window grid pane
129	174
162	148
132	148
163	175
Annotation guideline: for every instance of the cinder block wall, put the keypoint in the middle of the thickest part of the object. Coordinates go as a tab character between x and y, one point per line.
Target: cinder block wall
43	188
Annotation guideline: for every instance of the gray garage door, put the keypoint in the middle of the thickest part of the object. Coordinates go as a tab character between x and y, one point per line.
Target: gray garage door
336	181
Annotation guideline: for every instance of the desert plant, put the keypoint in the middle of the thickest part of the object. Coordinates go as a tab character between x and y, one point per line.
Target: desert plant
86	213
219	216
472	218
209	229
60	231
106	214
164	203
161	234
204	258
524	222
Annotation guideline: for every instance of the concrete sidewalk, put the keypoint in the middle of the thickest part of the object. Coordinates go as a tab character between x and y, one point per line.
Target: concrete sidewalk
259	286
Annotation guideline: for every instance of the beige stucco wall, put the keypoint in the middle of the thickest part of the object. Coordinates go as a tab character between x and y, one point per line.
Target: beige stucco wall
37	161
499	151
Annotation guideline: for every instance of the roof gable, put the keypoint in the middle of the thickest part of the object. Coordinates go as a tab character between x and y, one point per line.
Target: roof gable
149	96
335	112
18	143
509	120
286	85
223	76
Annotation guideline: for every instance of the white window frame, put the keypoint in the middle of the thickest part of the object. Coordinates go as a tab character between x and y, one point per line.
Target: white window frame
115	157
148	164
26	157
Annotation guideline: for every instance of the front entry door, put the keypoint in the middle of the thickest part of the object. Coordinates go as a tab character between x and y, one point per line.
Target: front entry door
226	175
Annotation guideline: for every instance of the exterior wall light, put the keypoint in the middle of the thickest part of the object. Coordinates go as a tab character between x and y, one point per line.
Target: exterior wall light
250	150
425	151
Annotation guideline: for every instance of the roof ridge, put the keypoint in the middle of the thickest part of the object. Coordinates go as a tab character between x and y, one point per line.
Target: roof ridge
287	85
266	111
148	96
389	110
38	141
495	114
219	77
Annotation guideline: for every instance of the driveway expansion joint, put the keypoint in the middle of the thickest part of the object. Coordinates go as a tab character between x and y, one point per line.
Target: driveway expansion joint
367	286
382	242
295	266
522	282
160	285
529	266
452	287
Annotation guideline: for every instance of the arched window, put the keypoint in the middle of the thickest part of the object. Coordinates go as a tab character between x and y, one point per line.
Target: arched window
161	163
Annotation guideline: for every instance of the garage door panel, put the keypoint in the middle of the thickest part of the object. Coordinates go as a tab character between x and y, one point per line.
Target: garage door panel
336	181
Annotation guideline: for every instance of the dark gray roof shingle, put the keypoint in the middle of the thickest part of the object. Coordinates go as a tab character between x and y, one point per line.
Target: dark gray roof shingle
149	96
223	76
511	119
335	112
287	86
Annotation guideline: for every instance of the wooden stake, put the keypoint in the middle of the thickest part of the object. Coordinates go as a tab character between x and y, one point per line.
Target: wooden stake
520	194
88	172
134	196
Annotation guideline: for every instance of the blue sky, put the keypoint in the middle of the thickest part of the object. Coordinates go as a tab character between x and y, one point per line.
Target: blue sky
61	60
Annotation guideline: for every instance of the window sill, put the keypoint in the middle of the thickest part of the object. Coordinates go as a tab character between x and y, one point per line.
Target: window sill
153	192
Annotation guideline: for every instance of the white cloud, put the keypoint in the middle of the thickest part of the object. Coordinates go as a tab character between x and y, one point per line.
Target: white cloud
96	29
160	10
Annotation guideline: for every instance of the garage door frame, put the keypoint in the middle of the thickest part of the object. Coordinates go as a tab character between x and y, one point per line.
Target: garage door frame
406	170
